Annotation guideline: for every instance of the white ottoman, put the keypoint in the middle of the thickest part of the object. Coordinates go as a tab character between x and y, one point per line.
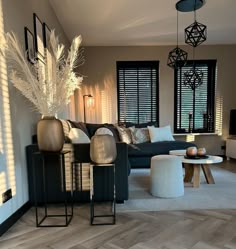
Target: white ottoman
166	176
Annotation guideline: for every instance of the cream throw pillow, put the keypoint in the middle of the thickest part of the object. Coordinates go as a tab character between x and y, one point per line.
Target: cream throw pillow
160	134
77	136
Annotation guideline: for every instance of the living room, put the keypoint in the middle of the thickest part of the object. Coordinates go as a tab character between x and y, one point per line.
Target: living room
18	123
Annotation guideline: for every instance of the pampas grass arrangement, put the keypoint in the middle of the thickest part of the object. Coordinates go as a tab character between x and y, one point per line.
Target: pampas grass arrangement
48	85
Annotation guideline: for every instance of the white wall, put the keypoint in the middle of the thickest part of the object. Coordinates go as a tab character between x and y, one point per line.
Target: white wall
17	121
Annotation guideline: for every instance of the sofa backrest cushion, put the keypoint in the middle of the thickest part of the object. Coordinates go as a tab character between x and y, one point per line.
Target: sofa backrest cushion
92	128
142	125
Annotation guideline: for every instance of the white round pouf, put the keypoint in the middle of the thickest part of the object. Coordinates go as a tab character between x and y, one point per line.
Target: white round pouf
166	176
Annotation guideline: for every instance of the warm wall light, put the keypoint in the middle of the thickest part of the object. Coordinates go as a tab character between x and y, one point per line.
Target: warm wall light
90	102
89	96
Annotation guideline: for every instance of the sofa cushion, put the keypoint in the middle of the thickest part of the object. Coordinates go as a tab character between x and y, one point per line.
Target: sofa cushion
160	134
80	125
139	135
142	125
125	134
77	136
152	149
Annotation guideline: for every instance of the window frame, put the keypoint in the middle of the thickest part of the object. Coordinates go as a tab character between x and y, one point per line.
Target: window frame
138	64
211	95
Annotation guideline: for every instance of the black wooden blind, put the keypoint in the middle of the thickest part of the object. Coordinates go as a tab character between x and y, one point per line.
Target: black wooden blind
138	86
194	109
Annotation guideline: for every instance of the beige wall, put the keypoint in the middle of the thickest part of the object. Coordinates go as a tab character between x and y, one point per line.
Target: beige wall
17	121
100	69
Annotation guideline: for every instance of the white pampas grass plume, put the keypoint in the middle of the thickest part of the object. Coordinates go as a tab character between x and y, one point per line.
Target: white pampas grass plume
48	86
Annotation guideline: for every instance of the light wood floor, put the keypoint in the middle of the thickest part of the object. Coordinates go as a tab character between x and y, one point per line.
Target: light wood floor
195	229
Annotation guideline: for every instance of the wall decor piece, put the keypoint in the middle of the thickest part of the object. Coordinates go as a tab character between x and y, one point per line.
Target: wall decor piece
47	54
38	34
29	45
46	34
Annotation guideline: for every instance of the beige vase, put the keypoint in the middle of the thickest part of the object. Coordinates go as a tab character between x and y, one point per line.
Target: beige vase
50	134
103	149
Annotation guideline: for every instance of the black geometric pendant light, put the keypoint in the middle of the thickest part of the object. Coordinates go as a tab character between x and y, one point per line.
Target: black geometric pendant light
193	78
177	57
196	33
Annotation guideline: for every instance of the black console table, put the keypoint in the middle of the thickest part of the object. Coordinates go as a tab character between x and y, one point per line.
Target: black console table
67	215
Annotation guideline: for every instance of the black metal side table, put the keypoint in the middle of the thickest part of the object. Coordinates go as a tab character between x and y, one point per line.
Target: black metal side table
67	215
92	197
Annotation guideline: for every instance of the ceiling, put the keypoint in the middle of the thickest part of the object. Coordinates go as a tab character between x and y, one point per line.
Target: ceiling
142	22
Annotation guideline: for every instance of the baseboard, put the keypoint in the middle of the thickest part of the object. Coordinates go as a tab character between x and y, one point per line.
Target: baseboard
14	218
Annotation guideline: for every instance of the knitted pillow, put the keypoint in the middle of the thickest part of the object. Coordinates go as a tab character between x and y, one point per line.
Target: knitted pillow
139	135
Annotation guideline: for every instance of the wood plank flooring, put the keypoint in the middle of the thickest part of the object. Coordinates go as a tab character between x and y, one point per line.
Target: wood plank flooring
195	229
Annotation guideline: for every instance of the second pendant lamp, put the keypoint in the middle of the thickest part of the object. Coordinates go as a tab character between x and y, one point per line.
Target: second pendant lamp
177	57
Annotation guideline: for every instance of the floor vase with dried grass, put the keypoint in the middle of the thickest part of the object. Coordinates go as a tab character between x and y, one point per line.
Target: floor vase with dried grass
50	134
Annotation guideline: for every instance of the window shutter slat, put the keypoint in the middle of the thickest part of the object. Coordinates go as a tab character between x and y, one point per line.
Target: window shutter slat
137	83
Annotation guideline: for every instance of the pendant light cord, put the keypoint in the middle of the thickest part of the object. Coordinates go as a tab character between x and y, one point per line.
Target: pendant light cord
177	29
194	47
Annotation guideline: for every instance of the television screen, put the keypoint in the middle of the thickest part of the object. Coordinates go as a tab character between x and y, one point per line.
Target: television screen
232	122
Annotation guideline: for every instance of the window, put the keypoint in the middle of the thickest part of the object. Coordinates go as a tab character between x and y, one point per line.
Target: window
138	86
194	109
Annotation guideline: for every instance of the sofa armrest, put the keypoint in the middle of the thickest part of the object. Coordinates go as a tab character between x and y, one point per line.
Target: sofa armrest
122	171
80	153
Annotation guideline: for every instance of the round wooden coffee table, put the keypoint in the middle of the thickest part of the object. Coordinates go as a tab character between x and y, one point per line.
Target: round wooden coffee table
193	166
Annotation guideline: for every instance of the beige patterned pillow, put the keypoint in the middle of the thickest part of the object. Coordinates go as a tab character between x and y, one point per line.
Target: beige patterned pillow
139	135
125	134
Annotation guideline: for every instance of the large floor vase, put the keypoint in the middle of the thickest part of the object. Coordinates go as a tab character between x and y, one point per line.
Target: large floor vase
50	134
